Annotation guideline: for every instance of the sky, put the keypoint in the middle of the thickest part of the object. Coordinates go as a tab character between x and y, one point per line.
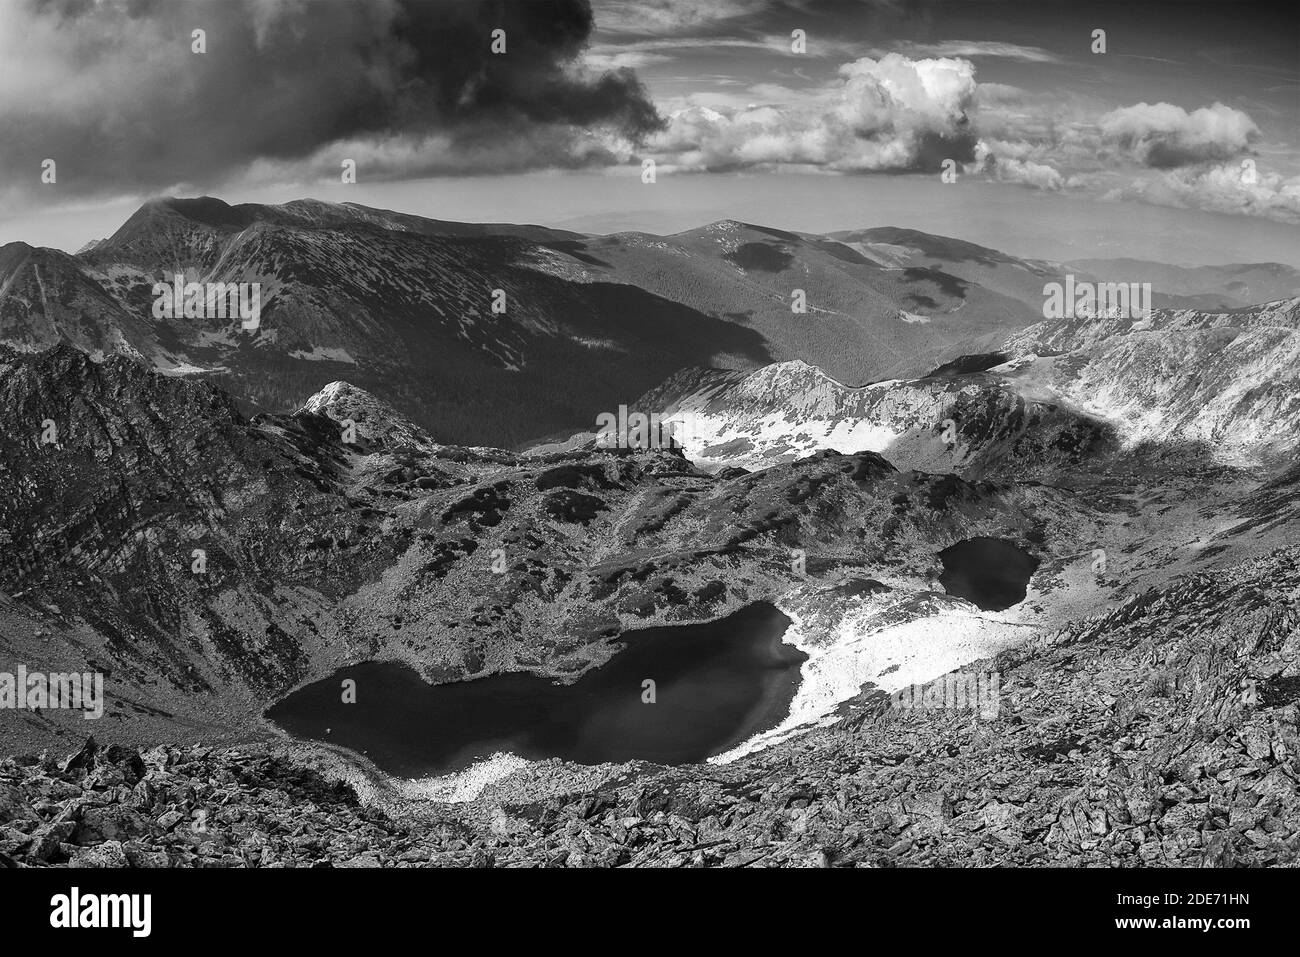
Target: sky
1172	135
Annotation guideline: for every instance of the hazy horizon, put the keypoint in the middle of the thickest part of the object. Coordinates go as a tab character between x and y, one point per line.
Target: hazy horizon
1026	224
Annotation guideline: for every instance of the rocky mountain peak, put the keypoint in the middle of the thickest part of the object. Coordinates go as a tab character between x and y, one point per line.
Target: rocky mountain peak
375	419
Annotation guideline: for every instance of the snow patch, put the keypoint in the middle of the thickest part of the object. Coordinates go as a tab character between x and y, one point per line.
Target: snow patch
890	656
324	353
183	368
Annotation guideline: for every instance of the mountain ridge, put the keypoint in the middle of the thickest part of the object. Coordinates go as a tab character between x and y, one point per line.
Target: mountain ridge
501	334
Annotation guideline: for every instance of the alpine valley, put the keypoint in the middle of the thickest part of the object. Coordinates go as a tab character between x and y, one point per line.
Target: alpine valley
386	469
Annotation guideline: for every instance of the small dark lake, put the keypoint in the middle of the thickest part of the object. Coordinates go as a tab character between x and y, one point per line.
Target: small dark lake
716	684
991	572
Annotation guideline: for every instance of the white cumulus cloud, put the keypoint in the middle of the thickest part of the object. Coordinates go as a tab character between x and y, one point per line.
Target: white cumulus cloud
893	113
1165	136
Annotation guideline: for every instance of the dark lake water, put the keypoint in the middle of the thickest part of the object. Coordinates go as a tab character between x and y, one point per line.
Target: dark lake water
991	572
716	684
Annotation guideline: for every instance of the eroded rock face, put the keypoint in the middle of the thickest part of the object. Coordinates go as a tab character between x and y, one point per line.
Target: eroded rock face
1161	733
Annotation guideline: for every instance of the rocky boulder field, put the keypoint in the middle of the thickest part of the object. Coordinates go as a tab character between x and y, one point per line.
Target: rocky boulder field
1162	732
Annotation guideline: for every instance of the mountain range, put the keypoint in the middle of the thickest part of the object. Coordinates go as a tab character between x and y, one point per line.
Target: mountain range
403	307
1220	384
387	470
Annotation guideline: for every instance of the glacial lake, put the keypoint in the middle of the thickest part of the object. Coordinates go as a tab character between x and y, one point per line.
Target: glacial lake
991	572
716	685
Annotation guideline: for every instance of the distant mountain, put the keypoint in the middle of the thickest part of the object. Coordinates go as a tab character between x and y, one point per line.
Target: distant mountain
189	233
1193	287
862	322
395	304
1213	287
911	252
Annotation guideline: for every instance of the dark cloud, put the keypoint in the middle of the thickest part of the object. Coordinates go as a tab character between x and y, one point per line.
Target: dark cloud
112	91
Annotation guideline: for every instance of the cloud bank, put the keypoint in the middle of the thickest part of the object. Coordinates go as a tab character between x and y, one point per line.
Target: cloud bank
890	114
1165	136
